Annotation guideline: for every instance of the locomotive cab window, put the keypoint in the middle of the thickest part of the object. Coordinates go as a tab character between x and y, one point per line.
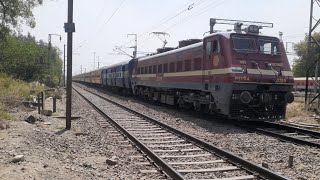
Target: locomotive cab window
244	44
213	47
269	46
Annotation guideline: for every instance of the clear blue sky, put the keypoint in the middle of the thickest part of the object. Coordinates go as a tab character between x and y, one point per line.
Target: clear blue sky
103	24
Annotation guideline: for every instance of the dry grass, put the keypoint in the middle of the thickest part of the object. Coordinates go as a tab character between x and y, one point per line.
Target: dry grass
296	109
12	93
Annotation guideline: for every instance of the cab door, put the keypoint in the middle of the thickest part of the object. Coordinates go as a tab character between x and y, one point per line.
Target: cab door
212	61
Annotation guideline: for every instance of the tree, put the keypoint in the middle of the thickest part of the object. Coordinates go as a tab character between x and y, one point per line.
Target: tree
299	68
15	12
24	58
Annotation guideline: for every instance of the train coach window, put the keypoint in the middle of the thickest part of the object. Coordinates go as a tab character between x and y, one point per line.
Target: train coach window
179	66
146	70
187	65
160	68
197	64
172	67
154	69
150	69
165	68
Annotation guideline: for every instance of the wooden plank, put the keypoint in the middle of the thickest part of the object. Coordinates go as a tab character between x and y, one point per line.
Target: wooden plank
223	169
156	134
233	178
290	134
138	156
148	171
148	129
313	140
138	133
175	150
196	163
173	145
158	138
163	142
186	156
125	141
301	136
115	134
142	163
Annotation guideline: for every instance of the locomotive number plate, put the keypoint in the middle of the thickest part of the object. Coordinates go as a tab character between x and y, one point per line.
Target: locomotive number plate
281	80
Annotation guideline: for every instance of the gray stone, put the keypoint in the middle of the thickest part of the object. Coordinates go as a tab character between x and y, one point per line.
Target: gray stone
46	112
31	119
45	165
265	165
18	158
86	165
112	161
47	123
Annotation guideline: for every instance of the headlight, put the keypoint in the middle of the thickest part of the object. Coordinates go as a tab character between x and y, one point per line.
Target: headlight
245	97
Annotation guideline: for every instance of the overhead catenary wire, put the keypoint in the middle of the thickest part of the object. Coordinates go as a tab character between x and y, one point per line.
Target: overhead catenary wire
167	19
206	8
99	30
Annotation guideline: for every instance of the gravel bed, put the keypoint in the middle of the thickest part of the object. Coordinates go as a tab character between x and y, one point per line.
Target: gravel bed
104	107
254	147
87	151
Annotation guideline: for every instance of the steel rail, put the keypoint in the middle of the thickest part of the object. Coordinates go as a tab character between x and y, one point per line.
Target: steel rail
232	158
168	169
260	127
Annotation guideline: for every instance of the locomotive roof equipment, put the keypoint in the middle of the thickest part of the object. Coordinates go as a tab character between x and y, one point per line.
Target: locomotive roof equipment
252	27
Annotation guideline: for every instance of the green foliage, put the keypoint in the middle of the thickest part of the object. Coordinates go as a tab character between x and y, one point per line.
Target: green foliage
15	12
13	92
23	58
301	49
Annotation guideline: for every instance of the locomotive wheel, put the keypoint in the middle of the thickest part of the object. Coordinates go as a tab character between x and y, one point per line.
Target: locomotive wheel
197	106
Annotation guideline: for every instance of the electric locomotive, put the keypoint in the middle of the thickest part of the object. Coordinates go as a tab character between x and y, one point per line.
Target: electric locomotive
239	73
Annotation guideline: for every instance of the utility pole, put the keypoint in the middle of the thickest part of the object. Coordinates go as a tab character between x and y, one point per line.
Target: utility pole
69	29
135	47
94	60
98	62
312	62
64	65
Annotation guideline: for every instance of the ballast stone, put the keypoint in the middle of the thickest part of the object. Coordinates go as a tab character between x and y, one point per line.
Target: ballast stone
18	158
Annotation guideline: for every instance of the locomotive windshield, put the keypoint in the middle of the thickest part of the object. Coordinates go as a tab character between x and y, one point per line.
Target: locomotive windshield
269	46
244	44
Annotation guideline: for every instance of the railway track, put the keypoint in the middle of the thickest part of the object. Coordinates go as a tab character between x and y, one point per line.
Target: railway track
286	132
177	154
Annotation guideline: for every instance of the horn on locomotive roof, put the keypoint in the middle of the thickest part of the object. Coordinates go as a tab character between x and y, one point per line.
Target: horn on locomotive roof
251	26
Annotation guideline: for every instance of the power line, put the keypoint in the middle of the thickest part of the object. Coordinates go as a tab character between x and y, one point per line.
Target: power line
98	31
207	8
189	17
114	12
167	19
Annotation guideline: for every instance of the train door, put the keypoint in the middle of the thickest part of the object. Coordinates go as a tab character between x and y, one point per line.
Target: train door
125	75
211	63
160	72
